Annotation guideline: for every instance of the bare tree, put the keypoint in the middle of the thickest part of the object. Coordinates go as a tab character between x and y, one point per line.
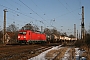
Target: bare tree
47	31
12	31
31	27
54	31
71	36
12	28
35	28
27	27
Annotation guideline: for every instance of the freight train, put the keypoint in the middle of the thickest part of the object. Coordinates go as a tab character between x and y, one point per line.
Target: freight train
28	36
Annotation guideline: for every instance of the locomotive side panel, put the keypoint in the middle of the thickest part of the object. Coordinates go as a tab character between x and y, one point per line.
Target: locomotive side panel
43	37
28	36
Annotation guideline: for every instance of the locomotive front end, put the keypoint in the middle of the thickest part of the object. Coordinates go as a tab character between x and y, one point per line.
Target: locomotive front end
22	37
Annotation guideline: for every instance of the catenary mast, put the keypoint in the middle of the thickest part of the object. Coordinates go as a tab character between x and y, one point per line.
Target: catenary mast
82	25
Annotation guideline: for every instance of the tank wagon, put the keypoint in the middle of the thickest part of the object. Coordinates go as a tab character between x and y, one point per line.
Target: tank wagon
53	38
28	36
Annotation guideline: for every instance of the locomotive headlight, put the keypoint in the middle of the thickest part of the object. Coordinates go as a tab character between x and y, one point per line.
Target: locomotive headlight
24	36
18	36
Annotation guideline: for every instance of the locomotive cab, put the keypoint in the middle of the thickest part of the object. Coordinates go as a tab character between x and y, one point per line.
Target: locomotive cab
22	36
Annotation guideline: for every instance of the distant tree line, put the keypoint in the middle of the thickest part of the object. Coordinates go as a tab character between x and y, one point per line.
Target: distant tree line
85	41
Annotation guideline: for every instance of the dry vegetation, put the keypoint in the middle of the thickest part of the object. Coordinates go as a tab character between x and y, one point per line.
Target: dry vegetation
60	52
86	53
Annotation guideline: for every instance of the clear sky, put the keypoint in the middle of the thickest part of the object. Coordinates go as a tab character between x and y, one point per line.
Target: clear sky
45	13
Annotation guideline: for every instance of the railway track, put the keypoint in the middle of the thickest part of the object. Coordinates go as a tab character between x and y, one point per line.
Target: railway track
22	52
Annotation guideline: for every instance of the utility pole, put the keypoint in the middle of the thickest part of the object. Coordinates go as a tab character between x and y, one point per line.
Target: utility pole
82	25
41	29
77	34
75	30
4	32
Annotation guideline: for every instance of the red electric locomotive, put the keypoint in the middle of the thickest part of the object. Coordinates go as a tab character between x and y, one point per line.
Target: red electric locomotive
28	36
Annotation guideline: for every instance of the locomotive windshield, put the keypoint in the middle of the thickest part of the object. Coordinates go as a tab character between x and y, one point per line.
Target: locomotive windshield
22	32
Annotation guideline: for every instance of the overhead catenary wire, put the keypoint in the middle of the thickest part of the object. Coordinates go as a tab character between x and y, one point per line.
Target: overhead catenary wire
10	17
72	10
67	13
10	4
39	8
15	12
67	8
18	12
16	2
63	5
41	11
32	10
25	14
18	9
